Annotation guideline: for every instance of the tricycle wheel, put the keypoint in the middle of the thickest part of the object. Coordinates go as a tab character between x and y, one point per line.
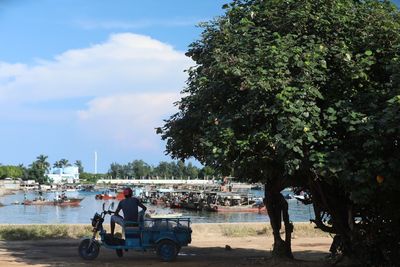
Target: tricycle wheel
119	252
88	249
167	250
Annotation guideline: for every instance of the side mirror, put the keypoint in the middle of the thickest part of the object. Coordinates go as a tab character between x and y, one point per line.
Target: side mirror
104	206
112	206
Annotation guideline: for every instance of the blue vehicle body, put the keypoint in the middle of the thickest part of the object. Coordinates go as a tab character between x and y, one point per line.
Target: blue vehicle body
165	235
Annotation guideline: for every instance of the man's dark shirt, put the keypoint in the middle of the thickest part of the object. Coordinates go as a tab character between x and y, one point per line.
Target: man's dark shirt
130	208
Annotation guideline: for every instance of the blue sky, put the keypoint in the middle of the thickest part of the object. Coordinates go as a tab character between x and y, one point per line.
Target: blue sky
78	76
83	76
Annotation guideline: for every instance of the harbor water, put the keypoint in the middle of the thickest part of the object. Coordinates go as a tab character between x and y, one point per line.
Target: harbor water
14	213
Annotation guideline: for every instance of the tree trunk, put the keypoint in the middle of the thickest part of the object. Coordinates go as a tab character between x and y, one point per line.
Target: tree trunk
327	197
277	208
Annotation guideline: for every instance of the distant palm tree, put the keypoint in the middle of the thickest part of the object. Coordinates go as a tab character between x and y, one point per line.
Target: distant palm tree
79	164
42	162
64	163
57	164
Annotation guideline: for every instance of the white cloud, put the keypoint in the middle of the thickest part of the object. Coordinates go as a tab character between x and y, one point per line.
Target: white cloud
129	119
125	63
132	81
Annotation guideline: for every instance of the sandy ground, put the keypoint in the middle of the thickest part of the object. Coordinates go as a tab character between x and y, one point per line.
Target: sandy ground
206	249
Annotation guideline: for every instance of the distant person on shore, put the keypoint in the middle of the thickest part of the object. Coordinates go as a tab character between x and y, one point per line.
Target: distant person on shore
63	195
129	206
41	198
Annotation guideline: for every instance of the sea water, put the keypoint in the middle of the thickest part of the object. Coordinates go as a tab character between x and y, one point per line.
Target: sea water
13	213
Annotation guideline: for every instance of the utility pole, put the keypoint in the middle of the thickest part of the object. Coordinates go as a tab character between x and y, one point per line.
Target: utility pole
95	162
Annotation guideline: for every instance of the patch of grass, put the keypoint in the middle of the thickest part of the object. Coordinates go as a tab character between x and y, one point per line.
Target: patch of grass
258	229
235	230
238	231
307	230
38	231
76	231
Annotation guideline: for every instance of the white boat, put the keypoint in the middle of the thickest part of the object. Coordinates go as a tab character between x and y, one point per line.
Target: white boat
168	216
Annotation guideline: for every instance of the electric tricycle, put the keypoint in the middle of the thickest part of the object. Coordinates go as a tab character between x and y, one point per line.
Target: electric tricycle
164	235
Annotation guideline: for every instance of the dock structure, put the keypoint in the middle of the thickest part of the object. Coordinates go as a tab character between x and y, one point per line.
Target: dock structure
157	182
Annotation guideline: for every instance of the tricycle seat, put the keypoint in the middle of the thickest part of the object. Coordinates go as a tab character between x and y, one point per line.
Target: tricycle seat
131	224
131	229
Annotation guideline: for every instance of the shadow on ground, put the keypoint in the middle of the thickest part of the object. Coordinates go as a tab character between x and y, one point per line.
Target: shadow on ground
65	253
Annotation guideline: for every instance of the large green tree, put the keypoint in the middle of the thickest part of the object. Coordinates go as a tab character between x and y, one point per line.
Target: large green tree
307	94
116	171
140	169
38	169
163	170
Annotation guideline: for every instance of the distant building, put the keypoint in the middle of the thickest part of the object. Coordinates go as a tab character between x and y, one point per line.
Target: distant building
10	184
67	175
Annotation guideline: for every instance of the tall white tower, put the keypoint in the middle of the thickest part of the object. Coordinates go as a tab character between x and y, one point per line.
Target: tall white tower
95	162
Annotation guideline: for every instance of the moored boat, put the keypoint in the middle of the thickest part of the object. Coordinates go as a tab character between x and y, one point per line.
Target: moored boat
106	196
196	206
169	215
237	208
60	202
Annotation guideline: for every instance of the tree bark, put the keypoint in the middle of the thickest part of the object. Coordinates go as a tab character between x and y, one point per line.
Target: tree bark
330	199
277	208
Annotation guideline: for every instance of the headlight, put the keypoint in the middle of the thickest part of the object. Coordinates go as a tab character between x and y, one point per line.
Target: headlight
96	218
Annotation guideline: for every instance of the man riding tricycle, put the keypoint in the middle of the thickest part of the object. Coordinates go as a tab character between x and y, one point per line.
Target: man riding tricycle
164	235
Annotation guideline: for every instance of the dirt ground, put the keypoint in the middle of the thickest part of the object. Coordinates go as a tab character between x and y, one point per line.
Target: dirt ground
205	250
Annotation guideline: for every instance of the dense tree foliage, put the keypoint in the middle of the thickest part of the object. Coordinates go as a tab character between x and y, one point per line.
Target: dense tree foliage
139	169
9	171
38	170
307	94
78	163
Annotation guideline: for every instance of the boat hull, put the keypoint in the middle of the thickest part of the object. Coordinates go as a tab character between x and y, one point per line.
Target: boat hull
119	196
68	202
249	209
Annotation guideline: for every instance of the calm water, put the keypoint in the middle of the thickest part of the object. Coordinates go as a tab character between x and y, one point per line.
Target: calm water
20	214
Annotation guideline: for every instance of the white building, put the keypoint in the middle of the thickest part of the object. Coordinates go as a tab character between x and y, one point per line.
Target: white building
68	175
10	184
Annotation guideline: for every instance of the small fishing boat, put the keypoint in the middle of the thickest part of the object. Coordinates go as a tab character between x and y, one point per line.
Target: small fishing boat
60	202
237	208
104	196
107	196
